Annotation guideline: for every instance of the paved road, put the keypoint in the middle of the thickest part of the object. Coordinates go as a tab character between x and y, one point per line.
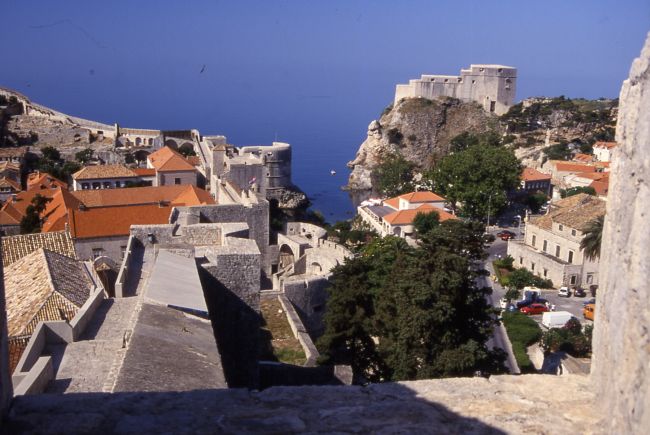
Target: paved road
498	249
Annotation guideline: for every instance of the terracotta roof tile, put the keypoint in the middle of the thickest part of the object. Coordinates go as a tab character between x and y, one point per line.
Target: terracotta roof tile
9	166
115	221
584	158
575	212
167	160
43	180
40	279
530	174
406	217
8	182
136	195
144	172
392	203
422	196
6	152
103	171
601	187
16	247
562	166
14	210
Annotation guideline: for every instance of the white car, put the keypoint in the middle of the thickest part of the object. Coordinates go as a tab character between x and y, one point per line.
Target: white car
564	292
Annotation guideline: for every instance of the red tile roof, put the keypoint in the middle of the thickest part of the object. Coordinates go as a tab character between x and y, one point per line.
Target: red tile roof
585	158
561	166
115	221
13	211
413	197
103	171
601	187
530	174
144	172
8	182
406	217
168	160
392	202
43	180
137	195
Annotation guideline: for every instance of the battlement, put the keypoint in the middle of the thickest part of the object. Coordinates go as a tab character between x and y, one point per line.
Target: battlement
491	86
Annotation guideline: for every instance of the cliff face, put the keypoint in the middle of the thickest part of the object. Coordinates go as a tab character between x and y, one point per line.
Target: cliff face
418	129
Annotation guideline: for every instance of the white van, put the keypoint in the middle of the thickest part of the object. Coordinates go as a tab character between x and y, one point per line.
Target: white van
556	319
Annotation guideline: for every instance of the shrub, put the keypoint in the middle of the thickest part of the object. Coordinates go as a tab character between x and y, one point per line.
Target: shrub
569	339
505	262
522	332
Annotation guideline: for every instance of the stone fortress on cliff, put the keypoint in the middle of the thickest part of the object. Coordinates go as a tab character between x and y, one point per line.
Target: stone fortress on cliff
491	86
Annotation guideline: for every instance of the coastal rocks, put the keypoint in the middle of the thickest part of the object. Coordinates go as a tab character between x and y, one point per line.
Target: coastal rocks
420	130
289	199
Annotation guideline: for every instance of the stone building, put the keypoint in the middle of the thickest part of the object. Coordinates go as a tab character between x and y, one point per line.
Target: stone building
551	248
491	86
171	168
534	181
603	151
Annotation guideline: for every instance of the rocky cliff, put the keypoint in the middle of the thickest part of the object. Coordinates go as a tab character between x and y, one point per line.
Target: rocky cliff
418	129
421	130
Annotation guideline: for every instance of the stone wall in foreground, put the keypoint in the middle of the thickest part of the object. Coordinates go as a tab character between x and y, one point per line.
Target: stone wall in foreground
620	371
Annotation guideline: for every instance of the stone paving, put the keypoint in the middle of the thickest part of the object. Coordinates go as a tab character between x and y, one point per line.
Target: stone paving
502	404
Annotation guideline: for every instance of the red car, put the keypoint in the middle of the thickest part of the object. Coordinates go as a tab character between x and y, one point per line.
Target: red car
505	235
534	309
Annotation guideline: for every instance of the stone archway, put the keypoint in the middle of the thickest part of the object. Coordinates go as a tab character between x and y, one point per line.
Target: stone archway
315	268
286	256
171	143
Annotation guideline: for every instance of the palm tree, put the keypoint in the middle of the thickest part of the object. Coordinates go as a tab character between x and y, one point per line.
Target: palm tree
590	244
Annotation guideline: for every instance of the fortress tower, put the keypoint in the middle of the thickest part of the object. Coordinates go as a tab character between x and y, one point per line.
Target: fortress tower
492	86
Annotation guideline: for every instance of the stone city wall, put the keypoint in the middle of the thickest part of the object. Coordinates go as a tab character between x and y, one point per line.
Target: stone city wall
621	343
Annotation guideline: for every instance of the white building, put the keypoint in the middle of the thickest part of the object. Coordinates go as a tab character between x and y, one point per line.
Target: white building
395	215
603	151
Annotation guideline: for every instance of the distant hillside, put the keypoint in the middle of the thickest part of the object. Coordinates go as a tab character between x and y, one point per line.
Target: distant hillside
421	130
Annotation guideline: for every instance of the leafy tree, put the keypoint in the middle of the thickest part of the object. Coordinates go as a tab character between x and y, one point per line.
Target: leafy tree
32	222
565	193
128	158
394	175
558	151
397	312
466	139
425	222
590	243
187	150
534	201
478	177
51	154
84	156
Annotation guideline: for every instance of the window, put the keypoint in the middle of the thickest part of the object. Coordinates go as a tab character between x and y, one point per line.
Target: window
573	279
521	260
570	257
534	240
561	227
177	181
545	245
557	251
85	186
118	184
532	266
573	232
97	252
107	185
123	249
545	272
590	278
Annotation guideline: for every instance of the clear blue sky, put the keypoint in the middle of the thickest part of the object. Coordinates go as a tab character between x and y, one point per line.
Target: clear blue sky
314	73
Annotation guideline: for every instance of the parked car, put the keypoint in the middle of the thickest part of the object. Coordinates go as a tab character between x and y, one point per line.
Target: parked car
524	303
589	311
564	292
579	293
590	301
534	309
505	235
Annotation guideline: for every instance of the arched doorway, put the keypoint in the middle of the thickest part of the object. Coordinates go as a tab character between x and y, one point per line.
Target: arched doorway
141	156
315	268
286	256
171	143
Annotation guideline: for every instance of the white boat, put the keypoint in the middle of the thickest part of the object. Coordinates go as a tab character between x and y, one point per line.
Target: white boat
332	172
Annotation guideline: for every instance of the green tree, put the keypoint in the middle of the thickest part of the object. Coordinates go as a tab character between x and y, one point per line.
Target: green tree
425	222
84	156
590	243
478	178
565	193
394	175
520	278
51	154
32	222
397	312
